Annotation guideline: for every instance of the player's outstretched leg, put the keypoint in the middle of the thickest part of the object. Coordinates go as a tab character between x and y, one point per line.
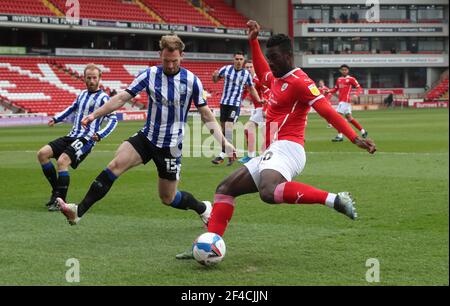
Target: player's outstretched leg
238	183
299	193
98	189
126	158
184	200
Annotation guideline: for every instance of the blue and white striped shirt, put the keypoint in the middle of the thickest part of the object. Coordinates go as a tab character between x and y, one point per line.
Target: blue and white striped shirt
85	104
233	86
169	100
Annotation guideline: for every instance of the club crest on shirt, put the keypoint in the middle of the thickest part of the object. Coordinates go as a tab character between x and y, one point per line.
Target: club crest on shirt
183	89
284	86
314	90
92	103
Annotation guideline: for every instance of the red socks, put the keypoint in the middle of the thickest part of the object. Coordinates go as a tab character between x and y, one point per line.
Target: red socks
356	124
289	192
298	193
221	214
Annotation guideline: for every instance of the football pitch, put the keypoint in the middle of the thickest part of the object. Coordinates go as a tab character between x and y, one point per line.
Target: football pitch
130	238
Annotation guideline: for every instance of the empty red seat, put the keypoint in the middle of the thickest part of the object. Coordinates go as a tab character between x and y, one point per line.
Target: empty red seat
36	95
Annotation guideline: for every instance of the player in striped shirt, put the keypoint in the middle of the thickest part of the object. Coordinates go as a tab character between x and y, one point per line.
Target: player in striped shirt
235	78
171	90
344	85
72	149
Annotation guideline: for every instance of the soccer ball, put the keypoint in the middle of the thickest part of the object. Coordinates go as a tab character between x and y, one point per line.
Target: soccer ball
209	249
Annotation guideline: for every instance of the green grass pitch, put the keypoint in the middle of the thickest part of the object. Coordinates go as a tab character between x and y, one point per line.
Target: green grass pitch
130	238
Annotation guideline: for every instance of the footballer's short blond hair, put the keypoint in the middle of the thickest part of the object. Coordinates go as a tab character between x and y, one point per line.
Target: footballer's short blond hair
92	66
171	42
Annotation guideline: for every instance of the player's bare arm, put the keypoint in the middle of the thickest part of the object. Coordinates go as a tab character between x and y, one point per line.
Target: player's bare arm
115	103
51	122
208	118
327	112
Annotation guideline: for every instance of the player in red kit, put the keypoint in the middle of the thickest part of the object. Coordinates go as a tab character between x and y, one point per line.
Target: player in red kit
257	117
344	86
293	94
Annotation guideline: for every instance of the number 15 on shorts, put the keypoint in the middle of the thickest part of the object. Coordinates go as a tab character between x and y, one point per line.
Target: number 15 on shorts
171	165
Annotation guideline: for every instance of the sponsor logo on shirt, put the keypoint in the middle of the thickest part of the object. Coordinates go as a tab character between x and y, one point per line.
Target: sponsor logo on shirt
314	90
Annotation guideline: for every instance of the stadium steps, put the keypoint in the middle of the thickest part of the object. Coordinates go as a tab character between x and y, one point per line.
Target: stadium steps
52	8
204	13
440	91
149	11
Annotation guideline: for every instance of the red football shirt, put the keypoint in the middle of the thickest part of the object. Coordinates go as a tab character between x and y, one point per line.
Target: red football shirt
290	100
344	86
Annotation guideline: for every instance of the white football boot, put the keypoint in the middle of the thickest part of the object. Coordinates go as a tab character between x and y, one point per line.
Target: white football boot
206	214
70	211
346	205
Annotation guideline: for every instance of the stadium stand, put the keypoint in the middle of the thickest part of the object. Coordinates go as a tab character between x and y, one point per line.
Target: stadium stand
25	7
178	12
439	92
226	14
109	10
213	13
50	85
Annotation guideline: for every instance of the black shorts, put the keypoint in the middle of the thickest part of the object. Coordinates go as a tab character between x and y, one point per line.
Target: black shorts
76	148
168	166
229	113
